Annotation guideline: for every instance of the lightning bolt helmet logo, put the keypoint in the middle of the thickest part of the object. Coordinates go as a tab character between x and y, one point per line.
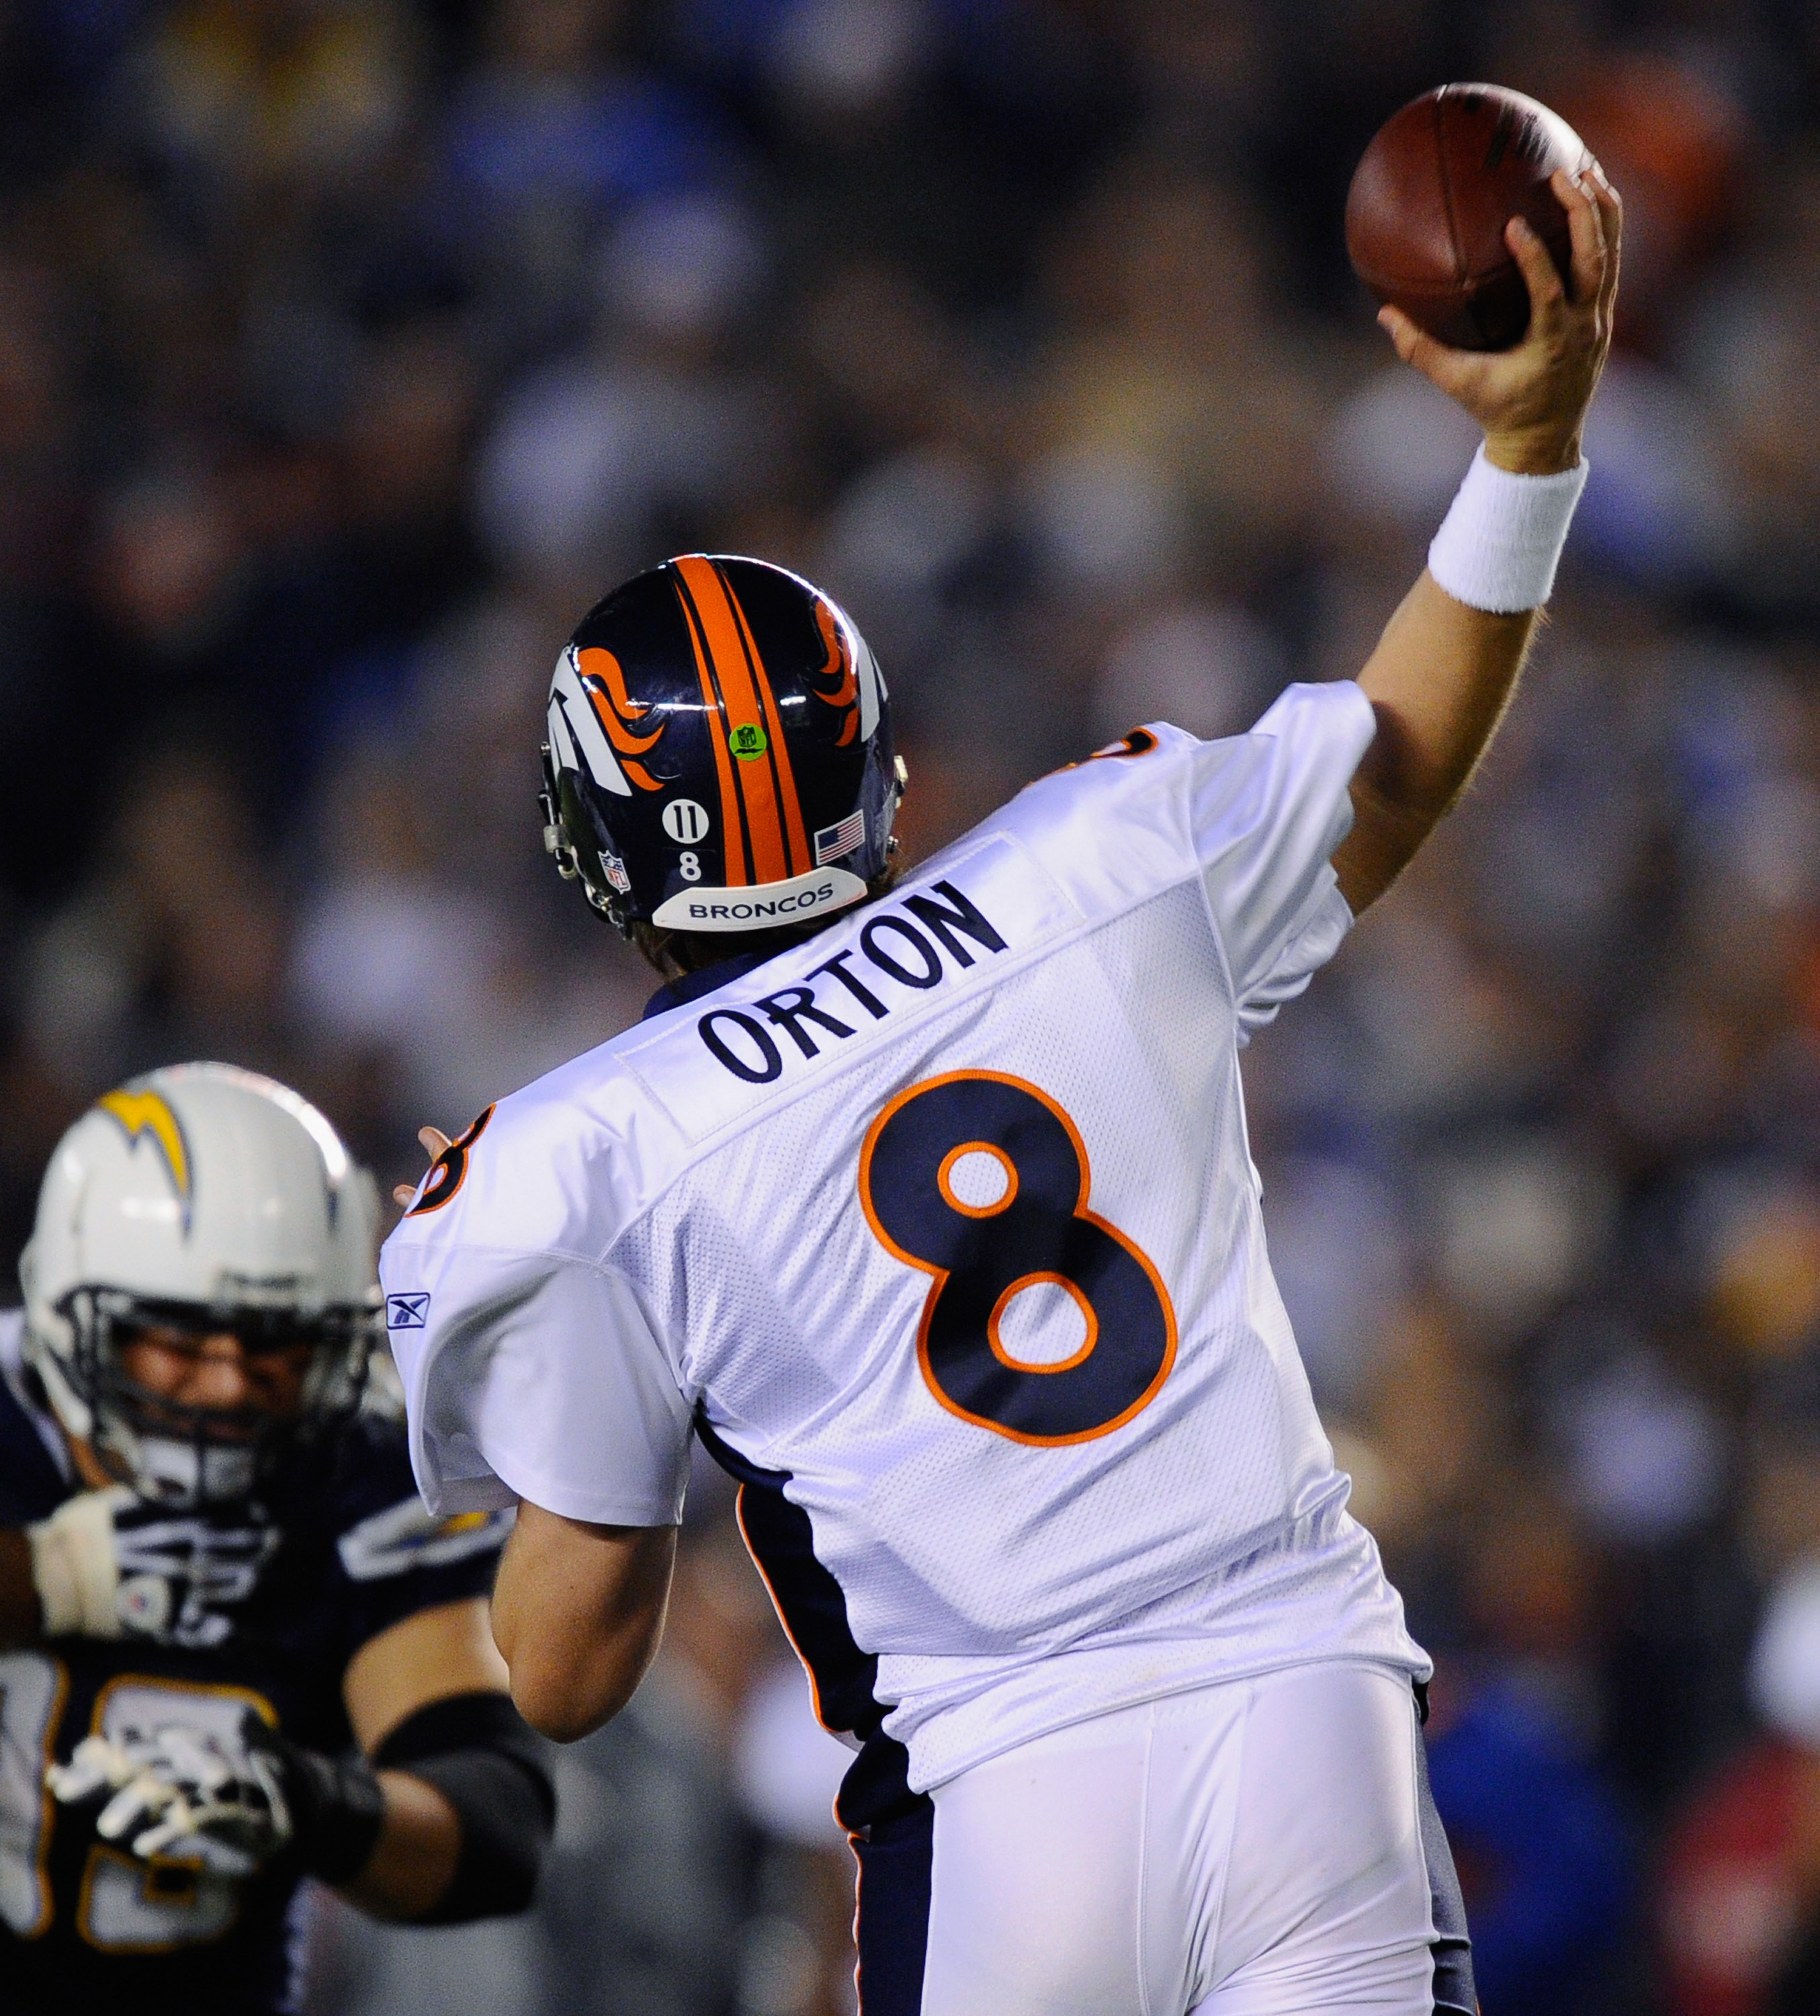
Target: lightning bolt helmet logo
145	1116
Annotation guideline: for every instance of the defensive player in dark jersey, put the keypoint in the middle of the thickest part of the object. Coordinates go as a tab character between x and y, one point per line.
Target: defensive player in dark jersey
234	1648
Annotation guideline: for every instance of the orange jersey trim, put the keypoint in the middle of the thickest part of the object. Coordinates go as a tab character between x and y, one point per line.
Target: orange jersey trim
1079	1356
943	1174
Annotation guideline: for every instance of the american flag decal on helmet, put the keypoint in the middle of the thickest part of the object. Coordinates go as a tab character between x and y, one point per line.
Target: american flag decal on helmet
833	842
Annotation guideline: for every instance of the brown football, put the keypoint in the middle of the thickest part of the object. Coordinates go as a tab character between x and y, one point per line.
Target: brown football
1426	214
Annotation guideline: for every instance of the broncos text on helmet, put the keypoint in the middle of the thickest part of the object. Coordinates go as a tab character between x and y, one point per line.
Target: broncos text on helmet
719	756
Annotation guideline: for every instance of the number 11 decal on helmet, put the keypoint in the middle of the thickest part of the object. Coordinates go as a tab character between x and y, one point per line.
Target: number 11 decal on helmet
719	755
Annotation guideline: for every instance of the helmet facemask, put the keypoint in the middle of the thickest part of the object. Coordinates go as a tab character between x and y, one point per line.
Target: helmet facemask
566	840
187	1455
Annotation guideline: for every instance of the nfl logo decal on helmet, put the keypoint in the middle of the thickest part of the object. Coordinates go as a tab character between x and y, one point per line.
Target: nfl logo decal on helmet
719	755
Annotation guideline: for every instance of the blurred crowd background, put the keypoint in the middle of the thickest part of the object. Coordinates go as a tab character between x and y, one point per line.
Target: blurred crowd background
349	349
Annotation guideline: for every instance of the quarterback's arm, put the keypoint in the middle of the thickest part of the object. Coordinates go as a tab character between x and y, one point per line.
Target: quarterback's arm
578	1611
1443	673
467	1818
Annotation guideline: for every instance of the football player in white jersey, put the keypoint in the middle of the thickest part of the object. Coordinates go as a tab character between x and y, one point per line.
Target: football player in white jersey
928	1206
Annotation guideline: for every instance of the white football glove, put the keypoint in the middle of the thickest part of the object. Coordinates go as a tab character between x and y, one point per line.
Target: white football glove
181	1794
226	1801
111	1564
74	1567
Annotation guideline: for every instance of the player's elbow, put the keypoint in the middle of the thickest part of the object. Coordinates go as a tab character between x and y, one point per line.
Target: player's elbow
577	1612
567	1698
556	1713
563	1718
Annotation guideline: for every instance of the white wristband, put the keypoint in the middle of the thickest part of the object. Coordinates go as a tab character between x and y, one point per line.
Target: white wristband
1499	546
75	1568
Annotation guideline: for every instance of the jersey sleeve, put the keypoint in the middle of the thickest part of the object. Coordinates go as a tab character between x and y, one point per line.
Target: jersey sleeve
538	1375
1266	811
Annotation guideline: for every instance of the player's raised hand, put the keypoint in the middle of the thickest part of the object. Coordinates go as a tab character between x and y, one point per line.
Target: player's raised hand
1531	400
434	1142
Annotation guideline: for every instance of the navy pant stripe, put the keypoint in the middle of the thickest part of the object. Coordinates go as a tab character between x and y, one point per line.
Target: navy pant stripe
892	1923
1454	1994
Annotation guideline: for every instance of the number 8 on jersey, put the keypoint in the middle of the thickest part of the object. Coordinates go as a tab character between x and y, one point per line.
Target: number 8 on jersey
1038	1230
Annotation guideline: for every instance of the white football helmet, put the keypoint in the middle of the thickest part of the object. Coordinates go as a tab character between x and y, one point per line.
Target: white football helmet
204	1197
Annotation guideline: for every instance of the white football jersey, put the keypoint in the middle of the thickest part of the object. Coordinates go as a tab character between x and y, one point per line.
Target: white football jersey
943	1230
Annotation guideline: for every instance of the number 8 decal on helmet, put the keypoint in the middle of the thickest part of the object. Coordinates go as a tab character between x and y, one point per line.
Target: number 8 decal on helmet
982	1255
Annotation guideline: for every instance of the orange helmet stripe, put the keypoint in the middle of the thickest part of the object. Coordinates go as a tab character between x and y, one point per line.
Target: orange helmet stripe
795	839
737	679
735	847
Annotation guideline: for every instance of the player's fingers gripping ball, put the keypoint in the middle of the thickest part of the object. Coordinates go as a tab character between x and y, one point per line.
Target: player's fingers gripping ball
1427	213
1491	235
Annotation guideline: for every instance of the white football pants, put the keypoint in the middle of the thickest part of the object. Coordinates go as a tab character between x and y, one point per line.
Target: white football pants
1252	1849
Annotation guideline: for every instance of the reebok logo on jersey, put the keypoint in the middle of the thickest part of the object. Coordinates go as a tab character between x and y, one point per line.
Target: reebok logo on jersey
904	945
406	1312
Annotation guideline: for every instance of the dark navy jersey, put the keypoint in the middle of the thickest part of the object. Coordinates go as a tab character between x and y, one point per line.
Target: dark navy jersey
338	1551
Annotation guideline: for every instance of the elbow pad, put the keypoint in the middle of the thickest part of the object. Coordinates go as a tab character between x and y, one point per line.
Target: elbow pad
478	1751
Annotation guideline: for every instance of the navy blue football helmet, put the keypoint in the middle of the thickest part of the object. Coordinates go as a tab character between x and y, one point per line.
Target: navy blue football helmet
720	754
